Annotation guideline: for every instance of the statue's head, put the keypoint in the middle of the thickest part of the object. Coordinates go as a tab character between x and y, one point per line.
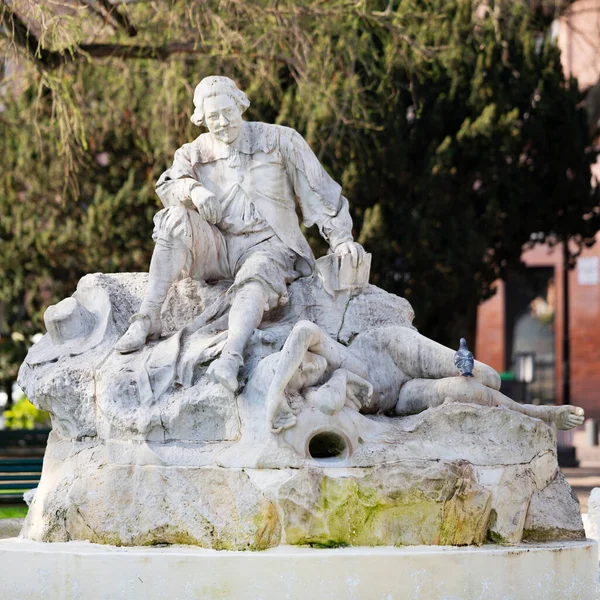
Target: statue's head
309	372
220	105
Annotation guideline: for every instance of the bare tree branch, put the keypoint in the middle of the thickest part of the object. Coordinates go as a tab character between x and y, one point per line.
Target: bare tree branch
13	27
117	18
135	51
11	23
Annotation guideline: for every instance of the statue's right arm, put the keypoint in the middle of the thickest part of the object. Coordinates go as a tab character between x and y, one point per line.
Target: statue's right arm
176	185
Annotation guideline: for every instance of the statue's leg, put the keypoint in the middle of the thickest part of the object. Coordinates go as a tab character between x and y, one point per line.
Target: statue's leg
417	395
245	315
343	388
168	260
420	357
262	272
180	234
330	397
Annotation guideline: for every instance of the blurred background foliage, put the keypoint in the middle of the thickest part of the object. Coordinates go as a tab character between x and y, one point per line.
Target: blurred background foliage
448	122
24	415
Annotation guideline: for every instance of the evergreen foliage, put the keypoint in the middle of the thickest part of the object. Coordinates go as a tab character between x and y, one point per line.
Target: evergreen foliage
448	122
24	415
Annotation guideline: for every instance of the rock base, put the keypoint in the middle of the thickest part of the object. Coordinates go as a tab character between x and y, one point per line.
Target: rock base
146	450
148	493
77	570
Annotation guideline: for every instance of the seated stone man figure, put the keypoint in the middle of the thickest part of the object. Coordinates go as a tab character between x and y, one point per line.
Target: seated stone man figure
391	370
230	214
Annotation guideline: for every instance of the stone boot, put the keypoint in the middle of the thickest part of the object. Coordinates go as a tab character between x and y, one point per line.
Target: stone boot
142	328
225	370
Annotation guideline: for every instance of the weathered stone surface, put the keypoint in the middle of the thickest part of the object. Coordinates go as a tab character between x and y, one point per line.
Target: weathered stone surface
66	390
133	505
198	463
132	493
509	505
374	308
402	504
593	527
554	514
511	487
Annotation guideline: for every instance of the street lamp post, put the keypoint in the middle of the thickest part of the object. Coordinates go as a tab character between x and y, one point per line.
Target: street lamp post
567	453
566	345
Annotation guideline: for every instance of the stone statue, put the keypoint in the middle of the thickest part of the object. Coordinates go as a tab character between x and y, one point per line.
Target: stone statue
230	215
243	395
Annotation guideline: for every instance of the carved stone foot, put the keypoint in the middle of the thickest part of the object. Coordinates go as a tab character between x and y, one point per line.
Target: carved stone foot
141	329
568	416
225	370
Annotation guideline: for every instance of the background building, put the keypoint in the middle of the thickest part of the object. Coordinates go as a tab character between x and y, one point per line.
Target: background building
525	317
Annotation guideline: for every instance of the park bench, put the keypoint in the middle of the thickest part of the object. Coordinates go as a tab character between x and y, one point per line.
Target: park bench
17	475
21	457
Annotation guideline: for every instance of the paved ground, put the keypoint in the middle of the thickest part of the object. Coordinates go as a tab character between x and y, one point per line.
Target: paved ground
582	481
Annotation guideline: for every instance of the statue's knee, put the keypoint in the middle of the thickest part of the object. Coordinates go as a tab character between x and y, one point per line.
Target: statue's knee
176	215
304	325
253	290
172	223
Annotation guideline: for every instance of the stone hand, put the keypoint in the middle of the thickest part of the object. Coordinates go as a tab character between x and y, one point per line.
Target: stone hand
207	205
279	413
356	251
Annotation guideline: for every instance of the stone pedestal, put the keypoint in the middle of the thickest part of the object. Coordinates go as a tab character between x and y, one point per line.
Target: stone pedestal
497	481
78	571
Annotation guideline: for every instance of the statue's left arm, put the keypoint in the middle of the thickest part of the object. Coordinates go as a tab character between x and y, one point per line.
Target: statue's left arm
320	197
308	337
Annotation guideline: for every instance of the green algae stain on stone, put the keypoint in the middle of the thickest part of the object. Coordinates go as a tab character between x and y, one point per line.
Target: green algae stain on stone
374	507
353	512
268	528
466	515
492	535
552	535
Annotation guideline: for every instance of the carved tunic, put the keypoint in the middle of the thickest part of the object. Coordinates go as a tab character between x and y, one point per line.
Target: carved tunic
257	180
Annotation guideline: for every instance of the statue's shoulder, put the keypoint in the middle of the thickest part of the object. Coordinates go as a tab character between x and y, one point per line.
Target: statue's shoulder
204	150
264	137
184	152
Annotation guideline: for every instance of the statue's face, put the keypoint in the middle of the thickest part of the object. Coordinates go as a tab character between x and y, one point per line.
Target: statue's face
223	117
309	372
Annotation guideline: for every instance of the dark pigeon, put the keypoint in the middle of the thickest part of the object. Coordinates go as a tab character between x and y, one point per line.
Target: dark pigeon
463	359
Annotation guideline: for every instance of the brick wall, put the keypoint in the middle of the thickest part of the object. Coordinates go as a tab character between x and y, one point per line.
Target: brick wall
489	341
585	330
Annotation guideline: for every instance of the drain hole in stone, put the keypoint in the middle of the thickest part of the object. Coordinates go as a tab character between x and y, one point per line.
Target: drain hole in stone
327	445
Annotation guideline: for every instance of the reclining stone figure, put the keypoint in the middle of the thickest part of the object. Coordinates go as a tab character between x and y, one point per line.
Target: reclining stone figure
391	370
